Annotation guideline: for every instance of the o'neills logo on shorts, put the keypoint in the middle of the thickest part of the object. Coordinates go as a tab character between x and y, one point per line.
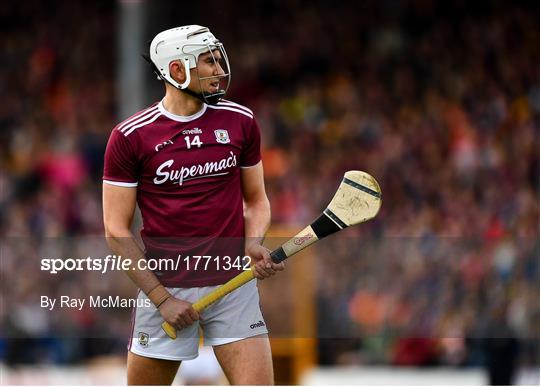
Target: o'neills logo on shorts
211	168
257	325
300	240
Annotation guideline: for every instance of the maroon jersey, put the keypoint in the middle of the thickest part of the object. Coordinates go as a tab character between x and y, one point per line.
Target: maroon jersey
187	173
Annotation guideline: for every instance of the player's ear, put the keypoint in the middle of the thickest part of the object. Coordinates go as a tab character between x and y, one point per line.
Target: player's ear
177	71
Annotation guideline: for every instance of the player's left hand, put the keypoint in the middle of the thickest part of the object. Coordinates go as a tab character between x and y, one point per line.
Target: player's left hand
264	267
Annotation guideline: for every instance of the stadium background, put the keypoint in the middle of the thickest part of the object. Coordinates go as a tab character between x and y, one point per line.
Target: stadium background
440	102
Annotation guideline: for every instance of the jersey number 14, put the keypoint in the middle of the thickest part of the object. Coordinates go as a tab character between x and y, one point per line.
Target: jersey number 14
196	141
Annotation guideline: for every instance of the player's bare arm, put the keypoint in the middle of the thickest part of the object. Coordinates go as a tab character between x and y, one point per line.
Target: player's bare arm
257	220
118	210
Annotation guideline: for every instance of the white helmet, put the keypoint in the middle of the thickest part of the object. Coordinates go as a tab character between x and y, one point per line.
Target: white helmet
186	44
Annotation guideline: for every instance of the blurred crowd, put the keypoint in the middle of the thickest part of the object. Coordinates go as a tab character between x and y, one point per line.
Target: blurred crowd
439	102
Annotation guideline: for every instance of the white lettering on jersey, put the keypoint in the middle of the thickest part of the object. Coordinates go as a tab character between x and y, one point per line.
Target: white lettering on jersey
192	131
158	147
196	171
165	175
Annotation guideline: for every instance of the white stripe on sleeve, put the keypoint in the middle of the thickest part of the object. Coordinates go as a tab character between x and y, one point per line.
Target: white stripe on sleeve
120	183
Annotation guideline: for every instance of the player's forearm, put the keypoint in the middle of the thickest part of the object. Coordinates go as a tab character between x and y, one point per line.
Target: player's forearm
256	220
123	244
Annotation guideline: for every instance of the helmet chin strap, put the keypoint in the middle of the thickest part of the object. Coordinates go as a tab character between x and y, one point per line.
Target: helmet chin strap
209	98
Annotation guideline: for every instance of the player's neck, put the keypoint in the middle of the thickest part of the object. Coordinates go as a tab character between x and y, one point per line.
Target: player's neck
181	104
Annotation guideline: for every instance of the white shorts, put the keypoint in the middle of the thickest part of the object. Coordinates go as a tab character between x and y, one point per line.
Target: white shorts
234	317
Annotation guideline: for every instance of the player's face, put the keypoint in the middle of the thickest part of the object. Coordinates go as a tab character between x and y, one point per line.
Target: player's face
210	71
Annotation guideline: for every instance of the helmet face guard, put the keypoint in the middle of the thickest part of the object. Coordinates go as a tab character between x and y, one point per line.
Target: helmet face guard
218	60
186	44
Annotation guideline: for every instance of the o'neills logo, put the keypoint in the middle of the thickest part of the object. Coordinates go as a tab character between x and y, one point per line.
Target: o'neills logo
211	168
257	325
300	240
192	131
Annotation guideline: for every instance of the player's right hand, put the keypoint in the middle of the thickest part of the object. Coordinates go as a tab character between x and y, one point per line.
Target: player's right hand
180	314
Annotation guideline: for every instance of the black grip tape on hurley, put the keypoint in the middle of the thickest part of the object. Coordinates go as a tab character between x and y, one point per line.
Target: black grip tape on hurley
323	226
278	255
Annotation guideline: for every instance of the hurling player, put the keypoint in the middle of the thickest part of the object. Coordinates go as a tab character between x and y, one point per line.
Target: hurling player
192	163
